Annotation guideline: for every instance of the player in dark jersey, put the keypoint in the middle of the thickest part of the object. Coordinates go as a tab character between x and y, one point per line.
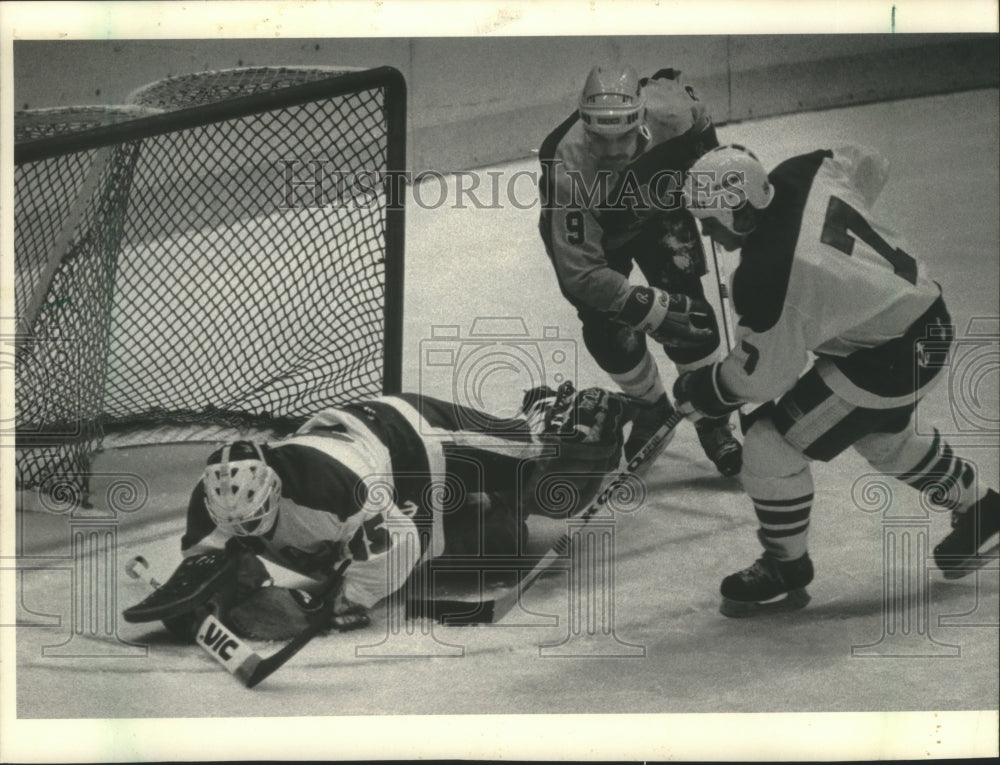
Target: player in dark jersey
384	483
819	276
610	183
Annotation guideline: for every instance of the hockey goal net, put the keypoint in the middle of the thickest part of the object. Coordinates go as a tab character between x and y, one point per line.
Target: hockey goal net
227	248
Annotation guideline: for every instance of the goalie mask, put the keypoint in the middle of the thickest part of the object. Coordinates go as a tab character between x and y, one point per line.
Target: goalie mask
612	103
723	183
241	490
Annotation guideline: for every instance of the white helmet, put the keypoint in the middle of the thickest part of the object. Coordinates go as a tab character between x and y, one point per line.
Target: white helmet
612	102
241	490
723	181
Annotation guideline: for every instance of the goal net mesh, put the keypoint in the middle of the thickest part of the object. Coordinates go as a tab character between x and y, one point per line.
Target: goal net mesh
227	254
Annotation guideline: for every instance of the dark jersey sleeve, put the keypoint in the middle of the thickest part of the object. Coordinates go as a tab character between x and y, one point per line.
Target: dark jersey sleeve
652	186
760	283
312	479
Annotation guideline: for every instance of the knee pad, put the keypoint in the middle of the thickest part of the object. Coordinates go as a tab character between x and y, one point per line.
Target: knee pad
893	452
772	467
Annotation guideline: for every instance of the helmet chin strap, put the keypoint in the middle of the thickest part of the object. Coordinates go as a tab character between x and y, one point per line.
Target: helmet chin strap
748	214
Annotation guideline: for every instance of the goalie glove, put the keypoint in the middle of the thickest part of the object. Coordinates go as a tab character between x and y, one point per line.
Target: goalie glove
676	321
277	613
700	393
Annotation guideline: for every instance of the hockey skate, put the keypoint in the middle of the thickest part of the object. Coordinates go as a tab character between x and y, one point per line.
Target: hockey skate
757	589
648	420
972	542
726	453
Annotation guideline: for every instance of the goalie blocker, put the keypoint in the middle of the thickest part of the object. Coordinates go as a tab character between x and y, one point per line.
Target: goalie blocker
212	594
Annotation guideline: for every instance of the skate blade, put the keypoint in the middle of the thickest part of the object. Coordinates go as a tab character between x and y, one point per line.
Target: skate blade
967	566
792	601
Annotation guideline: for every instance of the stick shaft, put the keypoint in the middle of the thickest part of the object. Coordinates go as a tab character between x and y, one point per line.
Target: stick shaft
720	279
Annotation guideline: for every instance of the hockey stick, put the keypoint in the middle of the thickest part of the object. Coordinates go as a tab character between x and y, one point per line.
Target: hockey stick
724	303
491	611
238	658
724	300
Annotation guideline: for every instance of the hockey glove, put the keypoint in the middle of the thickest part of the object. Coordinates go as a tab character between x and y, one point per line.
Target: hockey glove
676	321
277	613
599	417
588	416
700	393
546	410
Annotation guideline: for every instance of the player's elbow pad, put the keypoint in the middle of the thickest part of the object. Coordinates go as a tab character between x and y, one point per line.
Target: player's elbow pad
668	319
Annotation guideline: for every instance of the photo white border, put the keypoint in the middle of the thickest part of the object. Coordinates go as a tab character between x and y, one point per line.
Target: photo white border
835	736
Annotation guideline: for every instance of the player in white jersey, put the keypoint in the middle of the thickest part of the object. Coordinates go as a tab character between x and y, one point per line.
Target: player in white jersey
842	333
384	483
610	192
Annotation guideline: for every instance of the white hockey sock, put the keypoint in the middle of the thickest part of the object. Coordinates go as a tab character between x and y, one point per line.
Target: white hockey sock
642	381
782	506
928	464
777	478
690	366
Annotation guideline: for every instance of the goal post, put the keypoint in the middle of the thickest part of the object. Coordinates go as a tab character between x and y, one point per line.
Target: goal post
230	251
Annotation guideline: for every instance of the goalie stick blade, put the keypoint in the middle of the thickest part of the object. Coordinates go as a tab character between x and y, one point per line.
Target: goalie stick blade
451	612
239	659
266	667
792	601
491	611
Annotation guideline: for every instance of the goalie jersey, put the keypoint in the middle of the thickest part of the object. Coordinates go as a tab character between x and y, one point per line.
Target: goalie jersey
587	211
819	276
382	482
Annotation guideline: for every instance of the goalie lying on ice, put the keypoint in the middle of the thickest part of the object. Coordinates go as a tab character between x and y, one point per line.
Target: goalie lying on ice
384	483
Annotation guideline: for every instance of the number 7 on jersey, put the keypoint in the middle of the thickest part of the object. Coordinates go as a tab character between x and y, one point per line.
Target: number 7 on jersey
842	220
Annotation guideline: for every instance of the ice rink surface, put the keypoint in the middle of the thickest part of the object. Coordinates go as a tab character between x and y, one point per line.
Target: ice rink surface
884	630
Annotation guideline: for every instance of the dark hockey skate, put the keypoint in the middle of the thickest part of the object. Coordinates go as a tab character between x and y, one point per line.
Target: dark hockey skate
645	425
760	587
716	437
972	542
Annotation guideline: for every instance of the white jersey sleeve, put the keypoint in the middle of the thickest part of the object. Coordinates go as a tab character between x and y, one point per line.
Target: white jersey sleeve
383	552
